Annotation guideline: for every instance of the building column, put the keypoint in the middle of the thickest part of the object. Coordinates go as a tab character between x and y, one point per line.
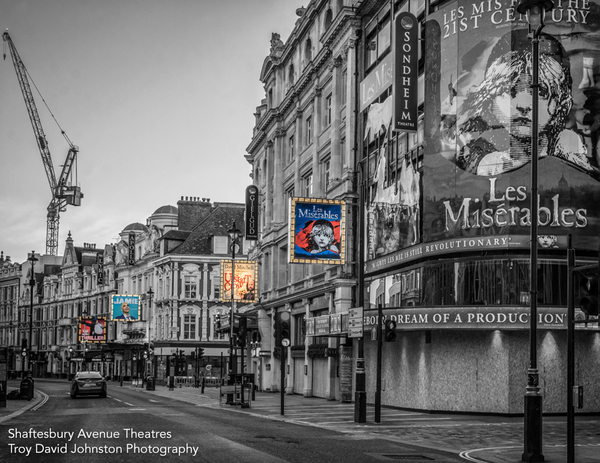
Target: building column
274	373
265	328
279	205
308	367
318	191
269	175
297	139
336	148
289	361
351	78
296	272
332	362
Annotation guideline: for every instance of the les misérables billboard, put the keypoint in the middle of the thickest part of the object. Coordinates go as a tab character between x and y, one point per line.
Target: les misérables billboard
317	232
478	115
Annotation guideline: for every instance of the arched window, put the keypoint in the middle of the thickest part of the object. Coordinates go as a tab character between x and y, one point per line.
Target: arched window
328	18
291	74
308	51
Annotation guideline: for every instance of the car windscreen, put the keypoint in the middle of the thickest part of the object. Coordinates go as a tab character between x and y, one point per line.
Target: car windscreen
91	375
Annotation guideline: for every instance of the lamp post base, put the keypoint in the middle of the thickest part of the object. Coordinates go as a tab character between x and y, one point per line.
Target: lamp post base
360	395
533	428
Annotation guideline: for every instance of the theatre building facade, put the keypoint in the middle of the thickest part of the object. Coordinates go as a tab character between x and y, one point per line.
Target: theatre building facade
438	214
447	209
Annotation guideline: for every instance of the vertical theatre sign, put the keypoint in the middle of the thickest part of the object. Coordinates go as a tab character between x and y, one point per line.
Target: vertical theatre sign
406	67
131	249
251	215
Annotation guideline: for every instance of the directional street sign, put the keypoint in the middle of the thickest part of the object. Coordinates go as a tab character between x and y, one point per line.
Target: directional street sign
355	322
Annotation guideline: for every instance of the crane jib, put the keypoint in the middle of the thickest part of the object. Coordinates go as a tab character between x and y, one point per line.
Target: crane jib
63	193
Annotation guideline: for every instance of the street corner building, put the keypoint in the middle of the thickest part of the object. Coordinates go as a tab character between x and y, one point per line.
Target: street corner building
437	212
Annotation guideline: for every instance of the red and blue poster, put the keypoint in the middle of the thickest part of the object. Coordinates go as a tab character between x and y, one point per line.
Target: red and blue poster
92	329
317	231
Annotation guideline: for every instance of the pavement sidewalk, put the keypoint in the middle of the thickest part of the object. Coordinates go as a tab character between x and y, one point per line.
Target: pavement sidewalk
267	405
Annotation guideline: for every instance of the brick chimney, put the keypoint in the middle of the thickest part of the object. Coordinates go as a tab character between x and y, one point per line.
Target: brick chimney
192	210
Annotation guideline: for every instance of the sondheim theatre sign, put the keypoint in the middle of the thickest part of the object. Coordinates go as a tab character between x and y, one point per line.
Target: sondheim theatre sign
406	70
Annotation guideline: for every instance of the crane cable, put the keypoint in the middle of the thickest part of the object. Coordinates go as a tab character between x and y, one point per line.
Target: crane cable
64	134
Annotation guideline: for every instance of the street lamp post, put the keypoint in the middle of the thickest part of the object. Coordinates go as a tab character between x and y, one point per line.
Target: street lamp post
154	365
234	234
69	367
535	11
33	260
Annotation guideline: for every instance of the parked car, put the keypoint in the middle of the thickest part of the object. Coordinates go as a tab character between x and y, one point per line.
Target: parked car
88	383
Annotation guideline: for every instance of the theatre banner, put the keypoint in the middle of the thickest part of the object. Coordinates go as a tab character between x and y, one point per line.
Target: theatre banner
478	114
393	212
92	329
125	307
476	318
244	278
317	231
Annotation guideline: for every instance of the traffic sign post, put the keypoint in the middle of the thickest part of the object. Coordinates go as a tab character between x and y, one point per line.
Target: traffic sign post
356	322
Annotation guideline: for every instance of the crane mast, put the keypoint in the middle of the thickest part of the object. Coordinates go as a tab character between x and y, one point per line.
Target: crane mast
63	192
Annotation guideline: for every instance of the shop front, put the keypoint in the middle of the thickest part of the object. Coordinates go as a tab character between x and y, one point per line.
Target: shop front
462	341
450	252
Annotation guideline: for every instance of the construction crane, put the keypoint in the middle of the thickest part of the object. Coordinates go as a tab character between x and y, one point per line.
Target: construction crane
64	191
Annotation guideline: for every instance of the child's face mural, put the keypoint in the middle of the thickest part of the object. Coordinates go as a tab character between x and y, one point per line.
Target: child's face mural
547	241
322	237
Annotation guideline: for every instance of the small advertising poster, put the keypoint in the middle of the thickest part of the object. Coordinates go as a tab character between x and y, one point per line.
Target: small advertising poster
317	231
125	307
346	373
92	329
244	288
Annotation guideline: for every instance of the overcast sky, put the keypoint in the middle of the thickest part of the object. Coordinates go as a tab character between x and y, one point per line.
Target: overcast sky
159	96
